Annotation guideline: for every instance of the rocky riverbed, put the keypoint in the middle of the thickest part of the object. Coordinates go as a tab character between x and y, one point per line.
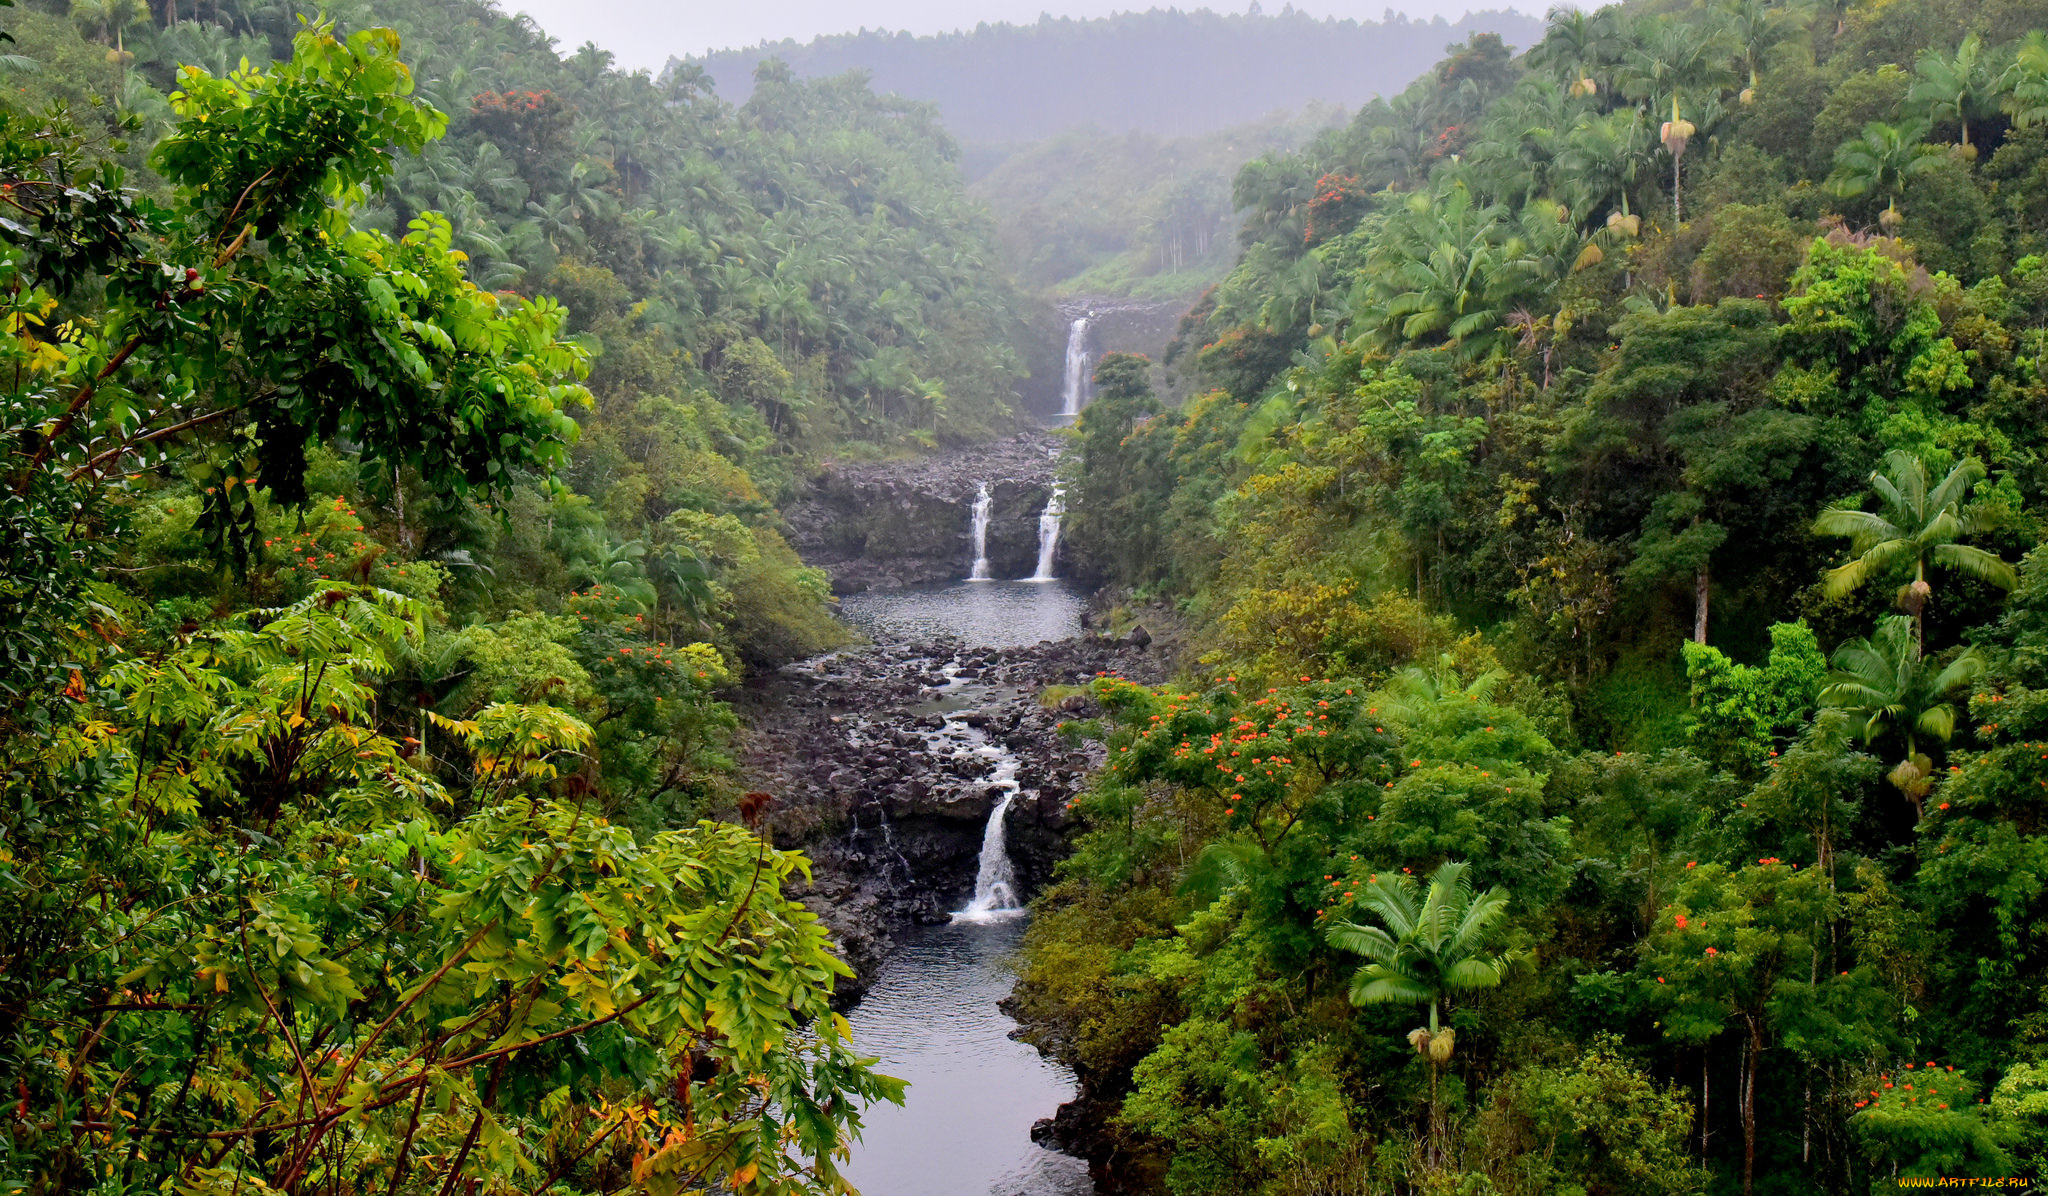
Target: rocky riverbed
870	755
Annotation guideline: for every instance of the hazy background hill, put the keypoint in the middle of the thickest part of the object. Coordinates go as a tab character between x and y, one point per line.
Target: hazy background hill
1091	212
1106	148
1165	71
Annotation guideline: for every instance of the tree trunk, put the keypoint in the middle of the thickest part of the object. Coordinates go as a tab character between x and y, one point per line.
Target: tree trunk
1436	1129
398	500
1701	583
1755	1053
1920	611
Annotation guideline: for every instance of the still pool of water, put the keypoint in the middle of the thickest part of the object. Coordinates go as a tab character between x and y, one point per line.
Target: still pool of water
987	614
965	1127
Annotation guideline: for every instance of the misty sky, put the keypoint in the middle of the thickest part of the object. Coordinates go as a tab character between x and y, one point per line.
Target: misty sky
643	33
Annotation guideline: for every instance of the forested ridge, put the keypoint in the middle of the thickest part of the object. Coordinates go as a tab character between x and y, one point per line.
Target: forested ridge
1607	524
1167	71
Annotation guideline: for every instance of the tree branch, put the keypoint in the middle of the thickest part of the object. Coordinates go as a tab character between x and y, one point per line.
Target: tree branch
127	446
70	416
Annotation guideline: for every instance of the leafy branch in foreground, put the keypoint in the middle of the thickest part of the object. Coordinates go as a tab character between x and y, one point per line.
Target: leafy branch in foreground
278	970
269	922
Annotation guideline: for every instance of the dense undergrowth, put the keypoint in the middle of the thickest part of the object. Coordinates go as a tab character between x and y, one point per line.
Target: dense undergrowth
366	613
1614	475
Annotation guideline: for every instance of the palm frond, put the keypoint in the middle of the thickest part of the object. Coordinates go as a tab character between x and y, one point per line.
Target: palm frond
1376	985
1846	579
1960	672
1976	562
1469	974
1393	899
1861	527
1370	941
1480	916
1956	486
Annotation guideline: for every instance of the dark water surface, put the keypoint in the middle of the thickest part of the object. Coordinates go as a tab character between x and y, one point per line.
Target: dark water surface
987	614
965	1128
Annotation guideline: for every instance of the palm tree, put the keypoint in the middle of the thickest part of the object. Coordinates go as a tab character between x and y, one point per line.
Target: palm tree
2025	82
1880	159
618	564
105	21
1602	162
1961	86
1428	950
1675	62
1576	46
1886	684
1440	257
1920	527
688	577
1758	28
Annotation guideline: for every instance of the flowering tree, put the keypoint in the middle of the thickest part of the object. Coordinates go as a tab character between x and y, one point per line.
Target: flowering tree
1729	949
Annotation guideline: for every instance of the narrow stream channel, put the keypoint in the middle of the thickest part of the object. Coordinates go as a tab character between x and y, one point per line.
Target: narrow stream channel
965	1128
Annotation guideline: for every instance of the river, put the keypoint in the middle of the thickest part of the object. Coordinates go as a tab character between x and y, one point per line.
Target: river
986	614
932	1016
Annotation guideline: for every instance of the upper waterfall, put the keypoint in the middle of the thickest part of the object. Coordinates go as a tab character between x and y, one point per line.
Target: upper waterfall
1074	394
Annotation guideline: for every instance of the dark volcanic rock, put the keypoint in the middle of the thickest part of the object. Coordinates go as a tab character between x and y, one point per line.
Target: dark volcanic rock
881	760
882	525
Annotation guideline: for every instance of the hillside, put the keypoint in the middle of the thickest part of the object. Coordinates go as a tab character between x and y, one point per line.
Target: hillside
1128	213
1609	514
1165	71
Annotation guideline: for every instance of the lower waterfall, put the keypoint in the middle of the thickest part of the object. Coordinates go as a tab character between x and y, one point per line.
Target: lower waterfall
995	883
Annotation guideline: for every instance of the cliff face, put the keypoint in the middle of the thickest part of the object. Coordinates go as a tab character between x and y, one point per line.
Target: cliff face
904	523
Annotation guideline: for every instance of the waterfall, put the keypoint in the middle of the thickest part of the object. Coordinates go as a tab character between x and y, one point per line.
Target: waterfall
1048	535
1074	395
995	885
984	502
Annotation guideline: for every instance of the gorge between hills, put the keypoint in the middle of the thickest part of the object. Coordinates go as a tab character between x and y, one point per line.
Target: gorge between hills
928	784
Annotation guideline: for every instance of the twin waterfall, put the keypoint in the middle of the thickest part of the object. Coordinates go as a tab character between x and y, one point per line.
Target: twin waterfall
1048	535
984	502
983	511
1073	397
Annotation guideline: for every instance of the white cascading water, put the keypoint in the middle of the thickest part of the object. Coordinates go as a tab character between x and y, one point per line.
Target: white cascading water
1048	535
995	885
1075	394
984	502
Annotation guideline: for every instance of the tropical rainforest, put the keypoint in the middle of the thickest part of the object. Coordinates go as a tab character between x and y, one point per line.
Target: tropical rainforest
396	416
1609	756
1607	518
